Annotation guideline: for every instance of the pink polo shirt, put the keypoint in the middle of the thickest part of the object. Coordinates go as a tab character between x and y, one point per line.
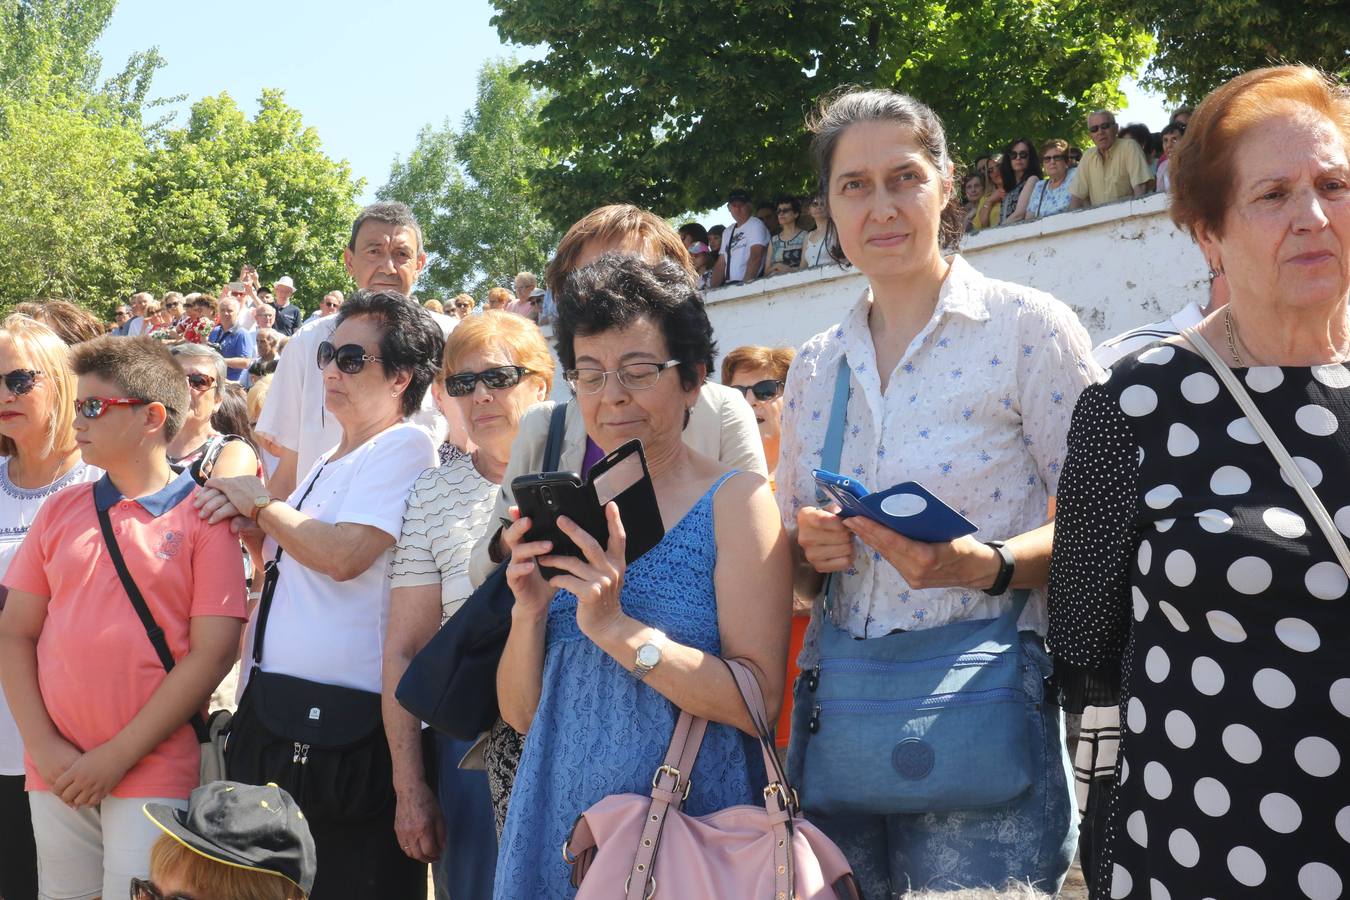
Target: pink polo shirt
96	666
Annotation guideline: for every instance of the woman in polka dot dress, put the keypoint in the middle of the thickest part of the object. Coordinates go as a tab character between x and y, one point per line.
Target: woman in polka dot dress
1188	580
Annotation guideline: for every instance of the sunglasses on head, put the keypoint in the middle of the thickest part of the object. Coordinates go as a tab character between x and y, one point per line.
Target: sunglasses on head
1106	125
20	381
462	384
763	390
351	358
146	890
200	382
95	407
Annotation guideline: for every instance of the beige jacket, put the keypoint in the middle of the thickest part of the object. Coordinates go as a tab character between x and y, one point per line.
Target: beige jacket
721	425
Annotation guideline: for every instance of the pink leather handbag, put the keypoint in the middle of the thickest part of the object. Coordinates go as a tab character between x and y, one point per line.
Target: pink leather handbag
641	848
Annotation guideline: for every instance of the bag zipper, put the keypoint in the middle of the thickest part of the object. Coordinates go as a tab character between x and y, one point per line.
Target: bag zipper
920	704
950	661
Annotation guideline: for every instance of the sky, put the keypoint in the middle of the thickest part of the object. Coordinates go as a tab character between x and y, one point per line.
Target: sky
366	81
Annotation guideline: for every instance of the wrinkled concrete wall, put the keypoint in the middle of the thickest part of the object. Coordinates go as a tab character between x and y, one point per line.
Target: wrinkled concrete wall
1117	266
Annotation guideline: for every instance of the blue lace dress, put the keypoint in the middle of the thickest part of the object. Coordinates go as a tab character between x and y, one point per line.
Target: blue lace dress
598	731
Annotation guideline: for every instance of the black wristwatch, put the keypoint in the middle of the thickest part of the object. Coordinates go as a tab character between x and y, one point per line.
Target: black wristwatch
1005	569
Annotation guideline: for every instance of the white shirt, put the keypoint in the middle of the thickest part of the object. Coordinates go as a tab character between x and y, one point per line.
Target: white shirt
18	507
1122	345
137	326
736	243
815	252
333	631
449	507
293	414
977	411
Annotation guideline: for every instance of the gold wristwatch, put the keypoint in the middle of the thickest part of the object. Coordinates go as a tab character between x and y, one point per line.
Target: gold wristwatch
261	502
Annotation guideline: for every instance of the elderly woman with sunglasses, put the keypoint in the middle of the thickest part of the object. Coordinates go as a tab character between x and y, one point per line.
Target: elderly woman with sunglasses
601	657
38	457
198	439
1051	193
327	601
496	366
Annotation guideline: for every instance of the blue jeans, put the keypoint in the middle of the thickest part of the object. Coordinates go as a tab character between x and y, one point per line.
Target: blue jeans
1031	839
468	864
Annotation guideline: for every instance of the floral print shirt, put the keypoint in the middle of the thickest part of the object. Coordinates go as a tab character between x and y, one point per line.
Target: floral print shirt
977	411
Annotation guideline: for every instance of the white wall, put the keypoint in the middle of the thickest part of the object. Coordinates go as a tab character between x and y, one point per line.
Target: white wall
1117	266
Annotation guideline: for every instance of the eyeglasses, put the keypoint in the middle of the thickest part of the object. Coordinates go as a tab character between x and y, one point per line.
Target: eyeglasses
95	407
351	358
785	209
146	890
1096	128
1054	157
462	384
200	382
634	376
20	381
1020	154
330	304
763	390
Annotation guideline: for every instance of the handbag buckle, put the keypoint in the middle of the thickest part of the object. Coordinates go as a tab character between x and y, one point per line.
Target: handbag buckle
673	773
628	883
787	796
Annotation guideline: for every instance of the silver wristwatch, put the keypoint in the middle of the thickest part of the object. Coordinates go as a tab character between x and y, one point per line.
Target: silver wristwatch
648	656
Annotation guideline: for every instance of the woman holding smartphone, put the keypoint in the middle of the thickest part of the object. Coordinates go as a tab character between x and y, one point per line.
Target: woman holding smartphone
966	385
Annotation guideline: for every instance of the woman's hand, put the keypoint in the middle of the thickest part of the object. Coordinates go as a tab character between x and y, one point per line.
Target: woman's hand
223	499
531	591
52	758
964	562
597	578
825	542
91	777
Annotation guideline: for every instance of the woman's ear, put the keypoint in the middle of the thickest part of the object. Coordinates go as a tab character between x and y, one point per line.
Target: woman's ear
1210	247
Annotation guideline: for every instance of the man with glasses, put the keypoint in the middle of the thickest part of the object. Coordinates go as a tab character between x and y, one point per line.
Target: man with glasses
328	306
120	319
1112	169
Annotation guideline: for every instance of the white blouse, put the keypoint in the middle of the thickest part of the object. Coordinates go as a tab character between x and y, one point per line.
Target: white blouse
976	410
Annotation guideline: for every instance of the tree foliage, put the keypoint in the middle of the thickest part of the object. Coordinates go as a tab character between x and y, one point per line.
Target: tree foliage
669	103
1203	44
226	189
474	189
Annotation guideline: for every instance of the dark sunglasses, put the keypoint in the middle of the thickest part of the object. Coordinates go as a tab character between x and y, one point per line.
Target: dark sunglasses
1096	128
763	390
1019	154
351	358
785	209
95	407
462	384
20	381
200	382
1055	157
146	890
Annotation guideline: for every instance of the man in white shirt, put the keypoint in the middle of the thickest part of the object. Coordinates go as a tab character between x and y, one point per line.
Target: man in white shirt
138	325
744	245
1189	316
385	253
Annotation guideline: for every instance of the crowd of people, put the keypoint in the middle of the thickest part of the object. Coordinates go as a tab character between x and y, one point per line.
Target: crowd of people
1130	531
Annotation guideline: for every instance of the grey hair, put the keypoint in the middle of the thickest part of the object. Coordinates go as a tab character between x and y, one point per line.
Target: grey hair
389	212
203	352
852	105
1103	112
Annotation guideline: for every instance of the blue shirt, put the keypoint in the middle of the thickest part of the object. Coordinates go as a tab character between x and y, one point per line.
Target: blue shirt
234	343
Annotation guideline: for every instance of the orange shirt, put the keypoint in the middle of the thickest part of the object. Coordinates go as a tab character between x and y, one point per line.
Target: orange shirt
96	666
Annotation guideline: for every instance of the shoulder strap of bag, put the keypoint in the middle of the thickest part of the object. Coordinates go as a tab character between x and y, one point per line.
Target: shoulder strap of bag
271	572
1291	470
152	629
557	427
833	450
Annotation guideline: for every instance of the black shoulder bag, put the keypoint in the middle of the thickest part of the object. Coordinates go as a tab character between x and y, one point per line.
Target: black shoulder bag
209	732
451	684
323	743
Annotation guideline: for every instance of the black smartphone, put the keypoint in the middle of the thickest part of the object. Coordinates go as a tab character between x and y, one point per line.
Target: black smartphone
621	477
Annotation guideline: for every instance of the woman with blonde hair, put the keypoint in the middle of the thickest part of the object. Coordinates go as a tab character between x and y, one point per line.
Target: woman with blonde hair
434	305
39	458
495	367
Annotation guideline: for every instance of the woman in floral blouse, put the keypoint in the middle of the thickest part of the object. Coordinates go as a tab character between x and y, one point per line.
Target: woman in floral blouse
966	385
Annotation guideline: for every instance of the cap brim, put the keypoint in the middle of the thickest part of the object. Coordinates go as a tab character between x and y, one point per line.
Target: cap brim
166	818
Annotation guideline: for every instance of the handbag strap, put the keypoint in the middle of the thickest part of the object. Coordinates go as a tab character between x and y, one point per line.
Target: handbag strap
557	426
271	573
779	798
1291	470
152	629
832	452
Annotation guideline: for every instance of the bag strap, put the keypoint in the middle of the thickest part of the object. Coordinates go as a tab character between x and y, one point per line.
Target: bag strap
152	629
780	800
1291	470
832	452
557	427
272	572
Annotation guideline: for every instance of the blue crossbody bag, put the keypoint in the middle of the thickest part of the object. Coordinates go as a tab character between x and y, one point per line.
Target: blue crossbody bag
915	721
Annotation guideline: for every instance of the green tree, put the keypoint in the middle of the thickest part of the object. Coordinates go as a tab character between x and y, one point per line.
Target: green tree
66	215
668	103
474	190
1203	44
226	189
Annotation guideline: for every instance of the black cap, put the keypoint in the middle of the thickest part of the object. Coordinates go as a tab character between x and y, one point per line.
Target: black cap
256	828
738	195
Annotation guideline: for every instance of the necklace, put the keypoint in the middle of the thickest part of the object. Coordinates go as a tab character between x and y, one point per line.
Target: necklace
1229	334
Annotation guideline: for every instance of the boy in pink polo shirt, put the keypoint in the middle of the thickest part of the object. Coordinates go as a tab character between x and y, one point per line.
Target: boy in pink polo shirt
105	728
